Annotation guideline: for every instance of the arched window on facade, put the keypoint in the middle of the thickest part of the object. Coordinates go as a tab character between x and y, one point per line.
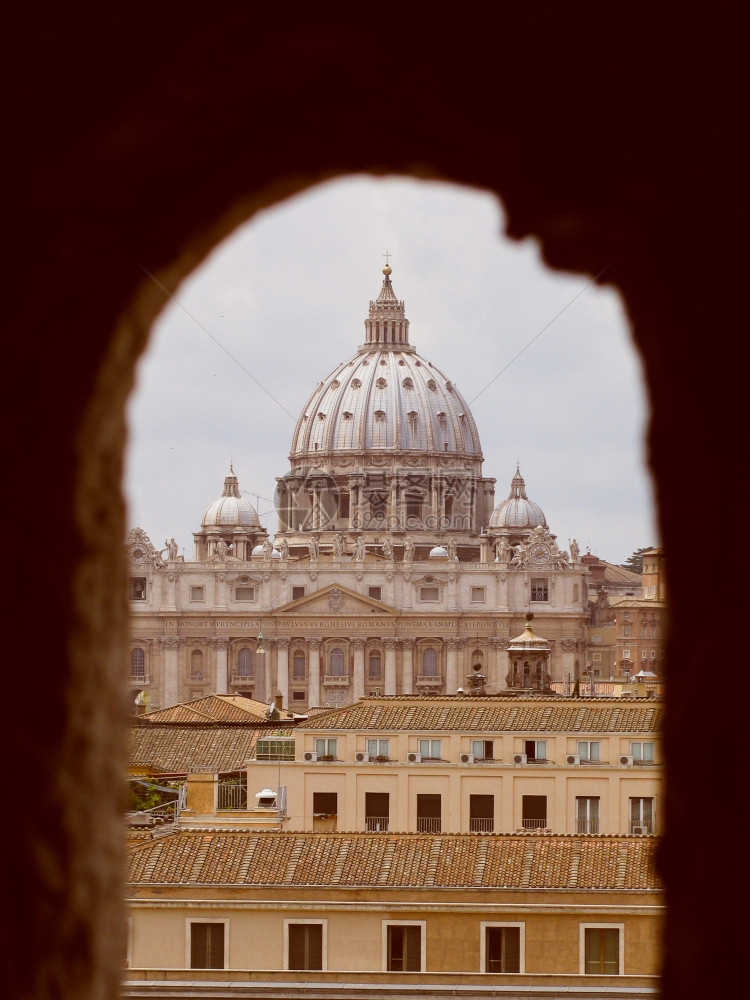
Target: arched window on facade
245	662
298	665
196	665
430	663
337	662
374	665
137	664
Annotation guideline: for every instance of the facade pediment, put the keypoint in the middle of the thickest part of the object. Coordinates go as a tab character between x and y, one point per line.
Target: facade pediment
336	600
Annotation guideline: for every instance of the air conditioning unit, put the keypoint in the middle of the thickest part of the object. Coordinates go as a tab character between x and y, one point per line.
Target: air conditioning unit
639	830
519	758
310	755
414	758
573	758
362	758
626	761
467	758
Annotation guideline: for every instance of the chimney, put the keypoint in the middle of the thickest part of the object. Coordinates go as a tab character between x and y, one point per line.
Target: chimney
279	701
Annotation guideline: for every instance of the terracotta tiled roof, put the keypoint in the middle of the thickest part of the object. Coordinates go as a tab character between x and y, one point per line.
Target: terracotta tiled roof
177	749
215	708
395	861
492	715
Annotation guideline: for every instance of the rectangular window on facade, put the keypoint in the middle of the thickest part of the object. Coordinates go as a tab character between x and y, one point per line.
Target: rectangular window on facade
207	945
244	593
641	815
534	812
430	749
539	589
326	748
587	814
588	750
626	654
596	656
376	593
197	593
535	749
298	695
378	748
644	752
137	588
404	947
502	948
481	813
298	665
429	593
377	812
297	592
483	749
325	803
601	947
274	749
305	949
429	813
477	595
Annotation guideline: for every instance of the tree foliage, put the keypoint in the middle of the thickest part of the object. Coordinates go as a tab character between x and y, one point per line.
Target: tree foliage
635	562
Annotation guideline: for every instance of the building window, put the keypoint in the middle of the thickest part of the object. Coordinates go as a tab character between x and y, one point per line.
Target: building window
413	501
481	813
244	593
588	750
483	749
305	945
587	814
298	696
378	748
207	949
298	665
137	588
245	662
377	812
601	949
430	749
297	592
344	505
430	663
429	813
534	812
325	804
429	593
626	631
596	657
403	947
535	750
477	595
197	594
275	749
596	639
626	654
196	665
641	815
326	748
643	752
337	662
502	947
374	665
376	593
137	665
539	589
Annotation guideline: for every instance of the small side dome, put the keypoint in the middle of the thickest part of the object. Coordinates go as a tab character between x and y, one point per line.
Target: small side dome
438	553
275	554
258	550
230	510
517	511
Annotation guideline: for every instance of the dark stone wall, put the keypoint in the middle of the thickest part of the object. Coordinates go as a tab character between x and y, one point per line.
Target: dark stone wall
138	138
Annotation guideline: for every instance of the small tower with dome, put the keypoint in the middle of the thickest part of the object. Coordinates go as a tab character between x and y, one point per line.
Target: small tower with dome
231	520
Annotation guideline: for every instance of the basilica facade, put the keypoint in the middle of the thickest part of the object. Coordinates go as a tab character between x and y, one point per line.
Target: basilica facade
392	570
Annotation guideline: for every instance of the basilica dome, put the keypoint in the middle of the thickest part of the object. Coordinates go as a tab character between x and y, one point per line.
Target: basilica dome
518	512
230	510
385	399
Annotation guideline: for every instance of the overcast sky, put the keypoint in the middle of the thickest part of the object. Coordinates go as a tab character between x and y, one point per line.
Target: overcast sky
544	359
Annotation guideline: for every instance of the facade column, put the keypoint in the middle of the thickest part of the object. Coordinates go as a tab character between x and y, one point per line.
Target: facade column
282	670
171	644
220	676
171	604
451	671
221	591
313	685
407	666
390	666
358	688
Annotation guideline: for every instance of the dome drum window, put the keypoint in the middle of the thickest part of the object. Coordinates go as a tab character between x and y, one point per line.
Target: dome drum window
407	383
381	383
431	384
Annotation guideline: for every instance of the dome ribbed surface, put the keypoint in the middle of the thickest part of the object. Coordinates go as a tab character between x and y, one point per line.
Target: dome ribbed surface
517	511
230	510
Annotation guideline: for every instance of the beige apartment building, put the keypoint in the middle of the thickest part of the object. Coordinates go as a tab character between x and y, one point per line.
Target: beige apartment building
227	910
